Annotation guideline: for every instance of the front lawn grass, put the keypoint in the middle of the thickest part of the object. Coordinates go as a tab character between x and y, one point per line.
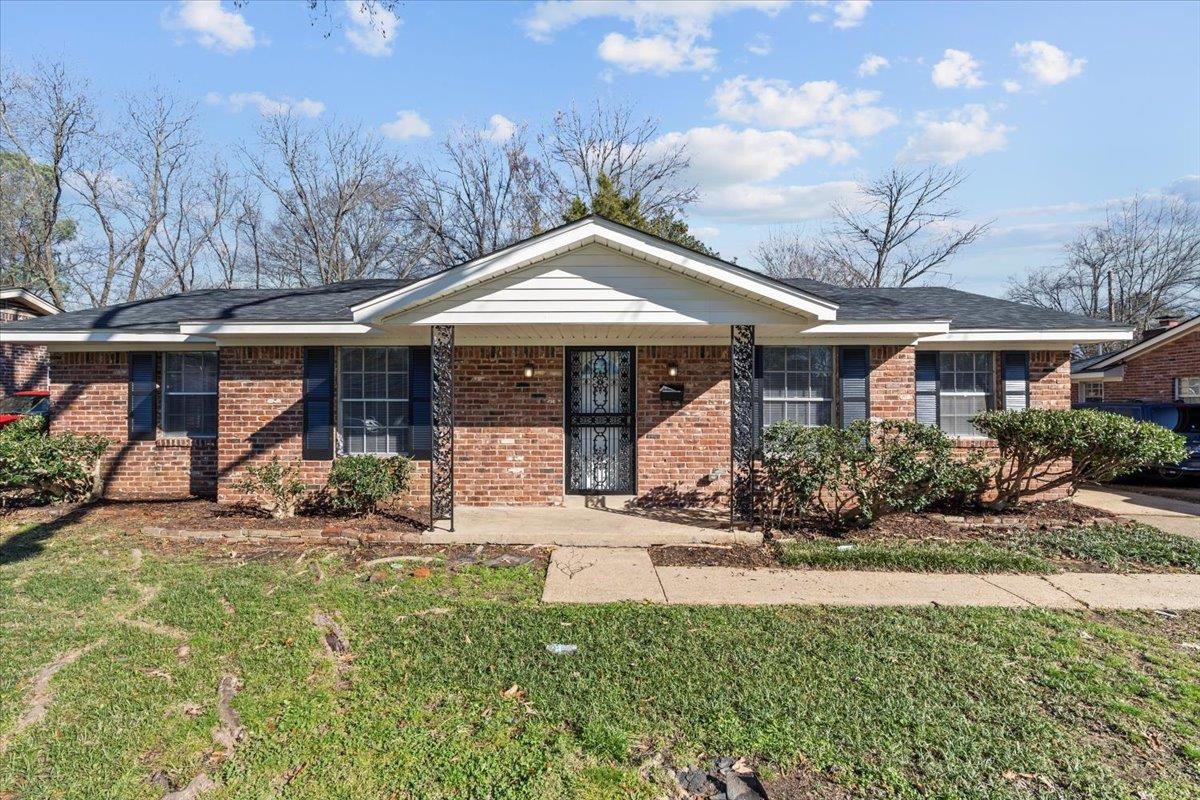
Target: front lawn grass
919	556
904	703
1111	547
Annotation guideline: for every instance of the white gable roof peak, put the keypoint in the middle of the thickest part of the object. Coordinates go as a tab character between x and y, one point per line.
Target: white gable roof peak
589	230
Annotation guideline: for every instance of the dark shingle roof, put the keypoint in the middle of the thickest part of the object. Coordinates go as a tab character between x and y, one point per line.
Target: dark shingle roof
963	309
315	304
332	303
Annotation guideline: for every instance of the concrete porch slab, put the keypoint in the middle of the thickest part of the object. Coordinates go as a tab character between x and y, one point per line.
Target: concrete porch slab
1180	517
601	575
589	524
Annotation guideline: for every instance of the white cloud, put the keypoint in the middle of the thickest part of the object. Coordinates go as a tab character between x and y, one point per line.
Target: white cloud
761	45
371	29
1011	86
212	25
1187	187
822	106
846	13
968	131
871	65
500	128
668	35
753	203
957	70
659	54
1046	64
721	155
406	125
267	106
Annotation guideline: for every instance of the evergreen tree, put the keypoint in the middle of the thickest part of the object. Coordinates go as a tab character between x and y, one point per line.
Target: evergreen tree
608	202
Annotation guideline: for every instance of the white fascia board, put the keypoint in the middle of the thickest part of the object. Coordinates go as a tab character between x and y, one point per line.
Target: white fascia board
1068	336
218	328
100	337
647	248
1149	344
30	299
1111	375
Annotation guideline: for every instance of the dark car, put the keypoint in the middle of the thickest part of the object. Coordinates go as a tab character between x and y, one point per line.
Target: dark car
1180	418
35	402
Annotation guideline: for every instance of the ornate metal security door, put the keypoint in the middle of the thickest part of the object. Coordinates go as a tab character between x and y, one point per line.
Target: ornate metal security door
601	440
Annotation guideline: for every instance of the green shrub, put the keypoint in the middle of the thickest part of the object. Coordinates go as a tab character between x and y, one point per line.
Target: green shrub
60	466
1100	445
360	483
853	475
276	487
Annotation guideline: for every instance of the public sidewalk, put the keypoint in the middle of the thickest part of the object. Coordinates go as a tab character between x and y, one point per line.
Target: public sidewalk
1173	516
612	574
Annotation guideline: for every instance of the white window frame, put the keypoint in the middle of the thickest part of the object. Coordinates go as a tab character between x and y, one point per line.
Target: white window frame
164	359
1086	391
788	399
988	394
343	443
1190	396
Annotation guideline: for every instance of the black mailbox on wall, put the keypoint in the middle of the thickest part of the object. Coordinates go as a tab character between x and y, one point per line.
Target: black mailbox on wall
671	393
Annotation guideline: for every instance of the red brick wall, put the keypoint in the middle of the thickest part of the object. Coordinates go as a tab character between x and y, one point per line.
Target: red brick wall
90	394
1050	379
679	445
21	366
1151	376
508	429
262	416
893	382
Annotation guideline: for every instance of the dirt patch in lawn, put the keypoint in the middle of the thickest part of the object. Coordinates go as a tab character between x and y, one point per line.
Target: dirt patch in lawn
207	515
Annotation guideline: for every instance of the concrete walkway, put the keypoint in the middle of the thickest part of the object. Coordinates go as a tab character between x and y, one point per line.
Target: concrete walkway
1173	516
606	575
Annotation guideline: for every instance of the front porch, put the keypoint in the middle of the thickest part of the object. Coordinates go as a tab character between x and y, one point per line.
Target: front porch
591	521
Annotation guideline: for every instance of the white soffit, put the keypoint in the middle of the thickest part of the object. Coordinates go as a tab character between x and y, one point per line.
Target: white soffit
627	241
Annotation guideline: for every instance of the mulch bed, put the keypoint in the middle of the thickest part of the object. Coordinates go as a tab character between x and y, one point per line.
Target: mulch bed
905	527
207	515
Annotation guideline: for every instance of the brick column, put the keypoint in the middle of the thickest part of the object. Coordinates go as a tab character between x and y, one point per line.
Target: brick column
893	382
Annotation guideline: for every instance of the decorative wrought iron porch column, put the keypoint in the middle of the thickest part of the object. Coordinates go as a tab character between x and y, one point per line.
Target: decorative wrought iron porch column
741	423
441	465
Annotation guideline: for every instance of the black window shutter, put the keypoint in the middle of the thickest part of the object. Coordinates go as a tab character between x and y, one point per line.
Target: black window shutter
1016	380
143	395
928	384
854	365
420	389
318	403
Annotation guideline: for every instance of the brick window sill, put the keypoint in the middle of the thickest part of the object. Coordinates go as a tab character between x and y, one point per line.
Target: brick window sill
181	442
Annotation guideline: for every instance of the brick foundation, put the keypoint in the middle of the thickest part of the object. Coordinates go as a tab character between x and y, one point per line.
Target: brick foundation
679	446
89	393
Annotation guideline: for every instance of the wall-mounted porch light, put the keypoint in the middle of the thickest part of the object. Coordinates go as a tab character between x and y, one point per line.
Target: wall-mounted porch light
529	370
672	370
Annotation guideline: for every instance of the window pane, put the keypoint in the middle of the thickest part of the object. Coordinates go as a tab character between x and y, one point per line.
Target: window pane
374	386
375	359
794	378
352	359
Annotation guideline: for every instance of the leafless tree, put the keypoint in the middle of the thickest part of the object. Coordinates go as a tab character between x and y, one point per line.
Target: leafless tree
788	253
44	116
612	139
902	229
1141	262
139	182
482	196
338	211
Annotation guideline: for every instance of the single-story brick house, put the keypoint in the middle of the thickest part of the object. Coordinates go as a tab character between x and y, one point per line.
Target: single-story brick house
22	367
1162	367
592	358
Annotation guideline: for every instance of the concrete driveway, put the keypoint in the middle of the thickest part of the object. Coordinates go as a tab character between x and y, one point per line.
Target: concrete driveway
1173	516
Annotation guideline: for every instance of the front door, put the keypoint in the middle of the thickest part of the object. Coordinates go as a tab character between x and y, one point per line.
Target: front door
601	440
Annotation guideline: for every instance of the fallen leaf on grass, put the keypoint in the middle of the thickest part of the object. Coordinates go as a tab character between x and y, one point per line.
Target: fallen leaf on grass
514	691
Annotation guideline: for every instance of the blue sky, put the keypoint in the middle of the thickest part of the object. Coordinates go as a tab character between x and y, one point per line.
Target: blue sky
1053	109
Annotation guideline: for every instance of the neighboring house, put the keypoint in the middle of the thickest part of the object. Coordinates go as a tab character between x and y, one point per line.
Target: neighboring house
22	367
592	358
1163	367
